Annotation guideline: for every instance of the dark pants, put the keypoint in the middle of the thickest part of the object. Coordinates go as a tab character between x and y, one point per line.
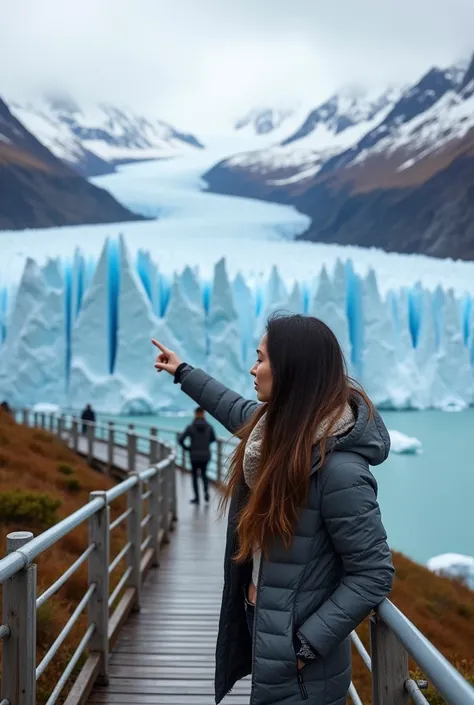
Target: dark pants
199	467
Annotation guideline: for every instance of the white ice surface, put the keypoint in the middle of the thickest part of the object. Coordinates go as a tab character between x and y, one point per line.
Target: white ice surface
403	444
454	565
198	228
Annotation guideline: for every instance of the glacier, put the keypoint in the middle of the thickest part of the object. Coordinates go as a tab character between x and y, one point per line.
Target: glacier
75	330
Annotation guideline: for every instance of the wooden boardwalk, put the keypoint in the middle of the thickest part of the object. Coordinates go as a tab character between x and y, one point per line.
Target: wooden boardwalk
165	653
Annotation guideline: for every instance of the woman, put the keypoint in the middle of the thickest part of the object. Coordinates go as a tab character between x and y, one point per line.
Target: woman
306	557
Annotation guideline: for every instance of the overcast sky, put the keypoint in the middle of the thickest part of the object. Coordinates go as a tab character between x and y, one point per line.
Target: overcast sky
201	63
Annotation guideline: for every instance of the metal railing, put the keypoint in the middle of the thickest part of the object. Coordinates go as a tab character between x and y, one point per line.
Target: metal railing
393	638
151	510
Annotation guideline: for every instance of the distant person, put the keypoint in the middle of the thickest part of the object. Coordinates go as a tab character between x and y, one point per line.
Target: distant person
307	558
201	435
87	415
5	406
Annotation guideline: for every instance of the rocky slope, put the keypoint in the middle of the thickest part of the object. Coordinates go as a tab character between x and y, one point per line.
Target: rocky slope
37	190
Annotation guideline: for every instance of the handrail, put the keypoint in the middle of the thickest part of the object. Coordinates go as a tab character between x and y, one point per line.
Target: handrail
448	682
18	570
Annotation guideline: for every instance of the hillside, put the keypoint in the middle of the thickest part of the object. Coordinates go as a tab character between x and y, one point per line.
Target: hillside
45	473
41	482
37	190
395	173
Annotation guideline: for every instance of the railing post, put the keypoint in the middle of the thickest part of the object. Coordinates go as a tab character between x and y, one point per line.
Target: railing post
155	513
99	560
219	461
164	504
134	531
75	434
110	447
173	490
51	422
90	442
35	419
389	665
131	449
62	425
43	420
26	417
153	446
19	613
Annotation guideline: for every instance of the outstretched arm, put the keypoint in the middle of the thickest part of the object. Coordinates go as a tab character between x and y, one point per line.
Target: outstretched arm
226	406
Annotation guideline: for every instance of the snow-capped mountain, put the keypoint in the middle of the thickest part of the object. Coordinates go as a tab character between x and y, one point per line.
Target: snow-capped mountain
394	171
262	121
93	140
39	190
304	140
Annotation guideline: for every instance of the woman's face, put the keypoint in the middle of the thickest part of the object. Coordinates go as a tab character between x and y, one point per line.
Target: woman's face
262	372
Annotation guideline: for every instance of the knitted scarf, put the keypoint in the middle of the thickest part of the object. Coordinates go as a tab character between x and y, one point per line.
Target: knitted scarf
254	442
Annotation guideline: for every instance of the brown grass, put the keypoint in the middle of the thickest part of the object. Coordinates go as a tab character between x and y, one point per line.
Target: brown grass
34	462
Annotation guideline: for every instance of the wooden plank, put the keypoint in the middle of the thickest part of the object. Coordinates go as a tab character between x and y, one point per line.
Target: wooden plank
120	614
83	684
115	698
164	655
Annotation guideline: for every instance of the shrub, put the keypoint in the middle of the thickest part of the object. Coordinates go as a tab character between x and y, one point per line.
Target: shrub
65	469
37	507
73	485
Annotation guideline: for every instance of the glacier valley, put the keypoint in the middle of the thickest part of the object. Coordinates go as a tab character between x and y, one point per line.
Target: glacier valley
77	330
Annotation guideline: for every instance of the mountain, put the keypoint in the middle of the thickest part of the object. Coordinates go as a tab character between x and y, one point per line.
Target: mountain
92	141
37	190
397	174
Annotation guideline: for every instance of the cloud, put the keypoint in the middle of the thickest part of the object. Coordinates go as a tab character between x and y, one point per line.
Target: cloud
199	63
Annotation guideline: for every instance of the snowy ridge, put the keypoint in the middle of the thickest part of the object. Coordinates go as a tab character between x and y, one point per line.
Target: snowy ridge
410	348
93	140
312	136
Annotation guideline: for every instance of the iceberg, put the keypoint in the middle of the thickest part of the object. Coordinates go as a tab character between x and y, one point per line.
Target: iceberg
78	331
245	307
454	565
33	358
225	357
406	445
330	305
93	339
454	383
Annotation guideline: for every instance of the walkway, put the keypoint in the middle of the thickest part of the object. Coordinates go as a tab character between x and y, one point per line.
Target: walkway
165	653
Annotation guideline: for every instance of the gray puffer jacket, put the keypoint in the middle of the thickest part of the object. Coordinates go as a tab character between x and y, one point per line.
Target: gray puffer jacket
336	571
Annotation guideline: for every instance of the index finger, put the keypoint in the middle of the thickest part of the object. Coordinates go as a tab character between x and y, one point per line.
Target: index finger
159	345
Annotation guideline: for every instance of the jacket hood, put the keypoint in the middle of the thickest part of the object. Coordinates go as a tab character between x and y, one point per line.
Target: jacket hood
368	437
200	424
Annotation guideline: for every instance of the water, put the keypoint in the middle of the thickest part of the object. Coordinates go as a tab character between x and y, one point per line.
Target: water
426	500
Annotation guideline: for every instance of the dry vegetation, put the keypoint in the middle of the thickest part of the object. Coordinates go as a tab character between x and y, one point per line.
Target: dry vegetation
41	482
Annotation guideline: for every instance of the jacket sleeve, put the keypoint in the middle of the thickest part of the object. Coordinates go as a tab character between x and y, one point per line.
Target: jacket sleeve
186	434
226	406
352	518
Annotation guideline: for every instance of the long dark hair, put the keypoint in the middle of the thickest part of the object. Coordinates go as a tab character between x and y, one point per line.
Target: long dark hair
310	385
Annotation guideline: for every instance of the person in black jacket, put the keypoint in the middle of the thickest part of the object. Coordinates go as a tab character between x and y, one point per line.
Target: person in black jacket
87	415
201	435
